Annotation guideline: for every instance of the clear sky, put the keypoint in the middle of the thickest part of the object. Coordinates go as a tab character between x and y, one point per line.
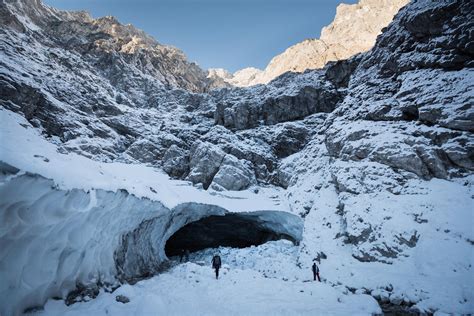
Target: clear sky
230	34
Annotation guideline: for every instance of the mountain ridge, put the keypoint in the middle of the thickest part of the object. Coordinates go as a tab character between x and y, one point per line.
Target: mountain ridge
79	32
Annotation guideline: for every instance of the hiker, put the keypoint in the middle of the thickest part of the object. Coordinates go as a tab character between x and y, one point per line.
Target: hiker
315	269
181	255
216	264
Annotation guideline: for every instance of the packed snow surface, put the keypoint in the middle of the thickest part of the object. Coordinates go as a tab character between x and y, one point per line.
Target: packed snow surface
253	281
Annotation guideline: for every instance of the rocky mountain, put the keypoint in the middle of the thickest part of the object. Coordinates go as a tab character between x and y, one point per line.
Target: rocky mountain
366	164
104	41
353	31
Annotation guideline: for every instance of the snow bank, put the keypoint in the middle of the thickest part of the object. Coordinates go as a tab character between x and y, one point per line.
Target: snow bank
50	239
242	289
414	237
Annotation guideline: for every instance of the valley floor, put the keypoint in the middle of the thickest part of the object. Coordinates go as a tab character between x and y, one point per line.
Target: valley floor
253	281
267	279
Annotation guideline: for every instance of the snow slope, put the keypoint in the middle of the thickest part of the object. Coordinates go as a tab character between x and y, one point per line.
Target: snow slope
24	148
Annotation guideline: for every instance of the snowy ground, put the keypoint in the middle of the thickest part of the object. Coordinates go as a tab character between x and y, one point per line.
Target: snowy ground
253	281
434	275
269	279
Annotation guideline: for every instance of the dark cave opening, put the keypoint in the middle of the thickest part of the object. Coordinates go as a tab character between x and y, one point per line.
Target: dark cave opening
230	230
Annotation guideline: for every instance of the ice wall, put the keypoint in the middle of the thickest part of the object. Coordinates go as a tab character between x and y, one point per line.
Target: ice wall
50	239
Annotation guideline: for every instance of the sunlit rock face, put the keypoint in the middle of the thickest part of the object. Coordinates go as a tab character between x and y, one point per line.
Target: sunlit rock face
137	57
353	31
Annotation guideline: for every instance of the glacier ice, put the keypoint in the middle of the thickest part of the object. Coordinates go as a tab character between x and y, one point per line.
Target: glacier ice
52	239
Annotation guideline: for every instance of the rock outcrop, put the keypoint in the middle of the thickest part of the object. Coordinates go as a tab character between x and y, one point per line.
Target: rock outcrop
96	92
281	105
407	114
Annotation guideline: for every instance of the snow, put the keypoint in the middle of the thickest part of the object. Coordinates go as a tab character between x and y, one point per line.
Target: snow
434	274
247	286
23	147
192	290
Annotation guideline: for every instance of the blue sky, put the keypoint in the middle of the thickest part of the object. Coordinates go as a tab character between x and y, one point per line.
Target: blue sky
230	34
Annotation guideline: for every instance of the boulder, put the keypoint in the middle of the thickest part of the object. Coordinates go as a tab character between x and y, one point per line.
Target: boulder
176	162
143	150
234	174
122	299
289	140
460	151
206	159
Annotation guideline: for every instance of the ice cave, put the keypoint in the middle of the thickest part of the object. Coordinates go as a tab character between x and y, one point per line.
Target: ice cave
230	230
104	236
143	250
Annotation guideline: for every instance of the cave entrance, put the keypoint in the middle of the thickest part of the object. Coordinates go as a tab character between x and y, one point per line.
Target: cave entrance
230	230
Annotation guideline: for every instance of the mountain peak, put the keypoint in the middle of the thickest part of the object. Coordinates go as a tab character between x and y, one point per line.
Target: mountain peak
354	30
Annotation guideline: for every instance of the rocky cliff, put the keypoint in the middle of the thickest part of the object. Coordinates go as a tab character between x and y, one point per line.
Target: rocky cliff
96	91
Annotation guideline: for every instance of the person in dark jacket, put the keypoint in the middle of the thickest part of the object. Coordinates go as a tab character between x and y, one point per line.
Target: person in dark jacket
216	264
315	269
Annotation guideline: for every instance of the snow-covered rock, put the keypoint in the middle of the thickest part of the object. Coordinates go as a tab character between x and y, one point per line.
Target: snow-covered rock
206	160
234	174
